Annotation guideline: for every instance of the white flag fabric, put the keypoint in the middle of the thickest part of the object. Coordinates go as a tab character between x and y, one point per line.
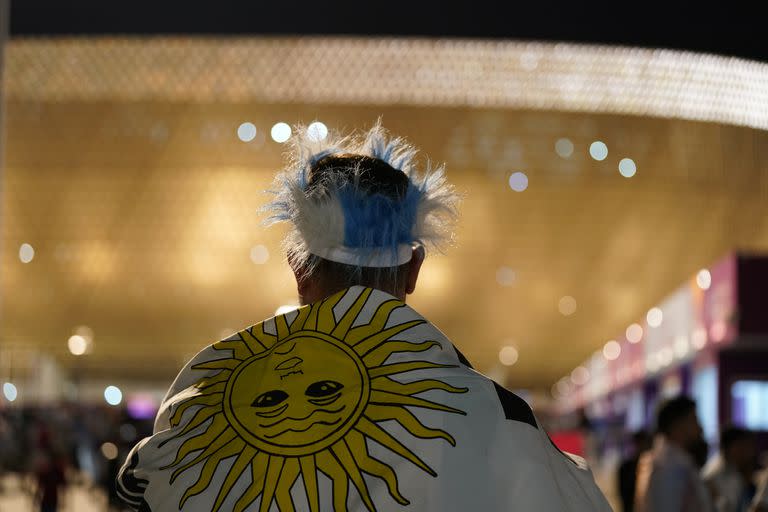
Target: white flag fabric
353	403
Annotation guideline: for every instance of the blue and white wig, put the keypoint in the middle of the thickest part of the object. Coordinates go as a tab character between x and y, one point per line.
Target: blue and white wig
346	223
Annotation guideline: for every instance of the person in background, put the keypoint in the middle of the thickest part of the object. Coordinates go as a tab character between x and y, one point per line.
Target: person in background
51	481
729	474
668	478
627	476
760	501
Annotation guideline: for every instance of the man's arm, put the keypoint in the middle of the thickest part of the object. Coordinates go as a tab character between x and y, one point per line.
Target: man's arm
130	487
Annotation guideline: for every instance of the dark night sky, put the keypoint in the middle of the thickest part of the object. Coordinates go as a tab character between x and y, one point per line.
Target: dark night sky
726	28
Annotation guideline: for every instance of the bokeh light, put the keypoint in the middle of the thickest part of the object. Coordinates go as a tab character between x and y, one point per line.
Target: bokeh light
518	181
281	132
598	150
113	395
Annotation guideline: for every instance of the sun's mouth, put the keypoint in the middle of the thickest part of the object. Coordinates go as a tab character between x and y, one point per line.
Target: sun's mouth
327	411
328	423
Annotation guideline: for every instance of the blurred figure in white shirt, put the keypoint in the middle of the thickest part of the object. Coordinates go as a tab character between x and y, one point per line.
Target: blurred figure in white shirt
668	477
729	474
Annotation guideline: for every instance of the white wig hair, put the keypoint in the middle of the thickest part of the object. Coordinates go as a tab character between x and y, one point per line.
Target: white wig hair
346	223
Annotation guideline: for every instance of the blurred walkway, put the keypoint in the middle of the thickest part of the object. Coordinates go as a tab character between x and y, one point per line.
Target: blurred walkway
16	496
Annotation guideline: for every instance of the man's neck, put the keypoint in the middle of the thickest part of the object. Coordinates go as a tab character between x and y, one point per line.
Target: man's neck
324	293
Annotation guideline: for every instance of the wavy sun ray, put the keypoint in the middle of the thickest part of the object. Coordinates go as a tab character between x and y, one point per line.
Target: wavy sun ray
373	466
385	398
373	341
345	323
209	468
306	400
301	318
347	461
408	421
395	368
239	347
413	388
333	470
219	445
309	474
200	441
218	364
274	468
380	319
289	475
235	472
326	320
377	356
213	380
384	438
258	340
178	413
201	416
257	483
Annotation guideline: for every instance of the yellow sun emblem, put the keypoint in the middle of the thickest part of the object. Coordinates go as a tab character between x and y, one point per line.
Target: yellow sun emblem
306	399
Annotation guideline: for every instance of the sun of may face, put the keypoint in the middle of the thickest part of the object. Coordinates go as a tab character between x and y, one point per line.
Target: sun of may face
303	401
309	391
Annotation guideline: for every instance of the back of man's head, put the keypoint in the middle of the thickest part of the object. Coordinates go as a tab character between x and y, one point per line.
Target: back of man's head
676	419
360	212
373	179
737	445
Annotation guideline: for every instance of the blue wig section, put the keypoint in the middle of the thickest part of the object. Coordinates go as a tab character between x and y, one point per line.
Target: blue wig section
377	220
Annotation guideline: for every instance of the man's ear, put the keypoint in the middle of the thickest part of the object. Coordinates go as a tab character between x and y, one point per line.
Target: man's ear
414	266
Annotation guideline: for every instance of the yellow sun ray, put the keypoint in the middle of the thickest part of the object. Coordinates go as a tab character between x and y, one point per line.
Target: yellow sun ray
239	348
328	465
257	482
274	468
217	364
311	323
347	461
373	341
200	441
341	329
218	445
281	325
379	320
374	467
377	356
235	472
309	474
408	421
384	438
258	340
301	319
210	381
385	398
413	388
178	413
209	468
395	368
212	389
326	320
200	417
287	479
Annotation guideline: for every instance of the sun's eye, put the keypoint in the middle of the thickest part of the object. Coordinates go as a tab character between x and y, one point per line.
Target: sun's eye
270	398
323	388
